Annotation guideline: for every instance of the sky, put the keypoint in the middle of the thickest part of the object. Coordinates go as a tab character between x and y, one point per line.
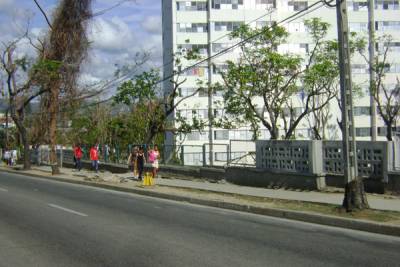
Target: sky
116	36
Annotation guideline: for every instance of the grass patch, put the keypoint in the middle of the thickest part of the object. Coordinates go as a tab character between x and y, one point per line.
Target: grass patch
380	216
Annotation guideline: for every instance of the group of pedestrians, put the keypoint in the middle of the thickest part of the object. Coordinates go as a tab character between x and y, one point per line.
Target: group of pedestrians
94	157
10	157
136	159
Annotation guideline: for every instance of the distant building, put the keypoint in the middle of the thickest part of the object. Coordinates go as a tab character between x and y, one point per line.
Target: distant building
196	24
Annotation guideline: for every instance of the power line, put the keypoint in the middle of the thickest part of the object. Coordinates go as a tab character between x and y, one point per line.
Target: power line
287	19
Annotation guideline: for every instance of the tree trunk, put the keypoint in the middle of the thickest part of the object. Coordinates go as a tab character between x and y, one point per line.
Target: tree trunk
355	197
27	151
18	118
6	129
53	108
389	133
25	142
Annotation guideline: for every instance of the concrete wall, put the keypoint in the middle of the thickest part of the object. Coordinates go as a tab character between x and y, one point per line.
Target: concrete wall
255	177
269	179
393	185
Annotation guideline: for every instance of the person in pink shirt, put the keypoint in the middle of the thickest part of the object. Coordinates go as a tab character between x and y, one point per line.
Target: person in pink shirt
154	156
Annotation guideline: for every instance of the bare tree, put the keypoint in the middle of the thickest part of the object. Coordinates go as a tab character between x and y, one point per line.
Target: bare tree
20	94
386	95
66	47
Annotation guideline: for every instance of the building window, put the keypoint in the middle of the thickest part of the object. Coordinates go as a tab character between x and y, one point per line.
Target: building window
296	111
392	68
203	92
220	68
197	136
361	111
240	135
387	4
227	25
191	6
190	114
192	27
359	6
364	131
382	131
186	91
265	4
297	5
202	49
221	135
196	71
359	68
294	48
293	27
227	4
218	47
221	156
358	26
263	23
219	113
387	26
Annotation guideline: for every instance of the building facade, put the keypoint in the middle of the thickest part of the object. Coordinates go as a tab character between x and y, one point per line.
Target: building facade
206	25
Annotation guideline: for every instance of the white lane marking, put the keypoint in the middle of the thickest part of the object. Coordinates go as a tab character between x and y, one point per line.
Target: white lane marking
3	189
68	210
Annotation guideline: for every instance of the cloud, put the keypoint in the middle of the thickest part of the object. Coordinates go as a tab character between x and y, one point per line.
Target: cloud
111	35
116	36
5	4
152	24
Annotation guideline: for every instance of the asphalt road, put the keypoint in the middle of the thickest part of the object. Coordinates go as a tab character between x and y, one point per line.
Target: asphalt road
45	223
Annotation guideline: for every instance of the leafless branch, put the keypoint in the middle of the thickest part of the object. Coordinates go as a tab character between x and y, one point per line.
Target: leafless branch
102	12
44	14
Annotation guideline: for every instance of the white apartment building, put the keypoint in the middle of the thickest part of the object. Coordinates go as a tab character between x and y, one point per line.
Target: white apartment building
205	24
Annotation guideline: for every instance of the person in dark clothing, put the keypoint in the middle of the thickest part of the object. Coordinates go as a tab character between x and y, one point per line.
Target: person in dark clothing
140	160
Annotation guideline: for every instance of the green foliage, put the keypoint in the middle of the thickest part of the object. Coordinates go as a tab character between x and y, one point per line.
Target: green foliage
23	63
276	78
142	87
120	130
46	70
142	95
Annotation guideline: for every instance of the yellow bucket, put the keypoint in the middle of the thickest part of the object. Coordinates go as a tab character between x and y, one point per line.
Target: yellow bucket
148	179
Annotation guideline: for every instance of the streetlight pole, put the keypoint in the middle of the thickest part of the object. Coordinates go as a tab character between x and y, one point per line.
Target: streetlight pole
348	131
210	89
371	49
354	192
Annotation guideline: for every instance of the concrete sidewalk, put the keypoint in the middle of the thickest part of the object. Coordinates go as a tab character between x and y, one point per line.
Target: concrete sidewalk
379	202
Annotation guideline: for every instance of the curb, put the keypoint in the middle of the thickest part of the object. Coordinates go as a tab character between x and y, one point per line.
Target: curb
361	225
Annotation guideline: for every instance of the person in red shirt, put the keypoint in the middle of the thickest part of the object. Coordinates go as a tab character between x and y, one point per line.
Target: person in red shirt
78	156
94	157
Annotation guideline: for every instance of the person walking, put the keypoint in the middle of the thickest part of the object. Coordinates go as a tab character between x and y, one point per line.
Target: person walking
132	161
7	157
78	156
140	160
94	157
154	156
14	157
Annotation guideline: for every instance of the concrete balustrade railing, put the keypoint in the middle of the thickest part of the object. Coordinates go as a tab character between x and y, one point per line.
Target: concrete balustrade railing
375	159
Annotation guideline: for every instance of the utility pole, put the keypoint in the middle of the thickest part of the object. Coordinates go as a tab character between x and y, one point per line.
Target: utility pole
371	49
354	197
348	131
210	89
